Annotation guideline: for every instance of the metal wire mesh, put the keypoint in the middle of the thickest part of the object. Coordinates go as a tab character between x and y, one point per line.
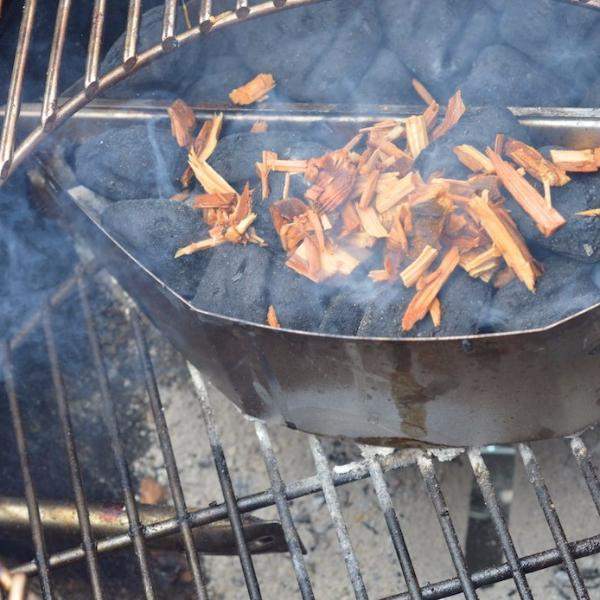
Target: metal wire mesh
280	494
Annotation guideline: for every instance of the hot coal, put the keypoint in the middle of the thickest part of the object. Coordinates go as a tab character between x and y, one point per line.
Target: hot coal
503	76
221	75
565	288
141	161
422	34
477	127
299	302
579	238
386	80
235	282
236	154
153	230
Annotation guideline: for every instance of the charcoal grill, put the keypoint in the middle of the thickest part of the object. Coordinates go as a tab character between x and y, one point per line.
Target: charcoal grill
374	466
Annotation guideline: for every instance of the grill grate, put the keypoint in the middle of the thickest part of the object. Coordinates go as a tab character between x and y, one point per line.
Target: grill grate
280	494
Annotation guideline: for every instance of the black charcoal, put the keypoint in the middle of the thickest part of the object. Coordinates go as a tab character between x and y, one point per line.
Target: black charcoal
221	75
236	154
348	56
423	34
153	230
579	238
383	314
386	80
565	288
503	76
562	38
478	32
299	302
477	127
465	301
591	98
343	315
235	282
141	161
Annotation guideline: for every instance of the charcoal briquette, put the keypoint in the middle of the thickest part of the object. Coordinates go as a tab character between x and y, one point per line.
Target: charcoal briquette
566	287
422	35
141	161
234	282
153	230
299	302
503	76
387	80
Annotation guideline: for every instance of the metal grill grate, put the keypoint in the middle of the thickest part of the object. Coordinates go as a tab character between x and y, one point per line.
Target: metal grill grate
280	494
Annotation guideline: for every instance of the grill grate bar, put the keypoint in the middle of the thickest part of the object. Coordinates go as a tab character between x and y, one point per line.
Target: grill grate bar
92	66
335	512
37	533
169	22
543	495
83	515
50	104
7	140
132	33
393	525
205	16
529	564
439	502
166	447
482	475
226	484
241	9
586	466
110	419
283	508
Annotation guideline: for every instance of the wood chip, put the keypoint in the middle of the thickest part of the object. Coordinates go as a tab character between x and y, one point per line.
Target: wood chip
255	90
370	189
416	134
214	200
535	163
272	319
370	222
473	159
210	180
259	127
208	137
435	312
198	246
180	196
423	92
593	212
183	122
546	218
392	190
454	112
576	161
504	240
419	266
420	304
504	277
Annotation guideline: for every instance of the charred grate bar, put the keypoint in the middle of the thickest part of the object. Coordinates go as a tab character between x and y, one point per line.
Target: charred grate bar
280	494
